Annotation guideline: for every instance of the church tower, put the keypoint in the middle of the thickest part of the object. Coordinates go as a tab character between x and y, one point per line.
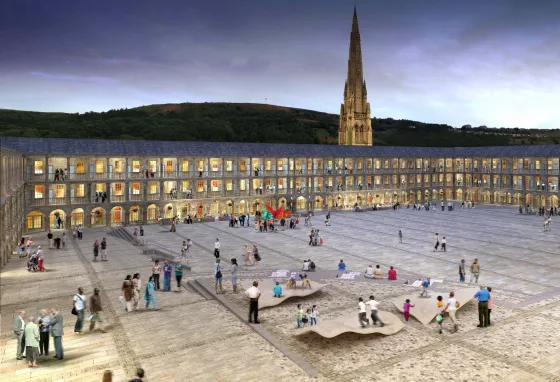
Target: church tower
355	119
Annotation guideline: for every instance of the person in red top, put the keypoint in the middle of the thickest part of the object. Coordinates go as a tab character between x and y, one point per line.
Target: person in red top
392	274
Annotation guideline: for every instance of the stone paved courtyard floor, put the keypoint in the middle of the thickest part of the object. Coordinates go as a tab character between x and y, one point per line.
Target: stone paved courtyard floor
197	339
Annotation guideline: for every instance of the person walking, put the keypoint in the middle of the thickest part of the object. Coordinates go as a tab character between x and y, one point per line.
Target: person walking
443	244
44	332
400	236
482	296
437	242
179	268
139	375
217	248
451	308
234	275
156	272
475	271
150	293
218	276
425	285
19	331
31	342
362	315
95	250
96	311
374	307
167	269
104	250
127	289
462	271
50	236
253	294
57	325
41	258
137	284
79	302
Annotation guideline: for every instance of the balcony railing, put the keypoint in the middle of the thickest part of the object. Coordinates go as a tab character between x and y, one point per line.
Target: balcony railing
79	176
135	197
80	200
117	198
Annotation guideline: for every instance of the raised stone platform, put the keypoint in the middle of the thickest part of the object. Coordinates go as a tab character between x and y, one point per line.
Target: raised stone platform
425	308
267	297
349	323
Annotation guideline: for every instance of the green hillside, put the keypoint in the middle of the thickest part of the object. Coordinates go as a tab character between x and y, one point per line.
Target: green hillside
248	123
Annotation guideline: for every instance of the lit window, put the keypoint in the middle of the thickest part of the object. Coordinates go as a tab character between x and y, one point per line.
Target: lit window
118	166
200	165
215	185
280	165
169	166
59	193
200	186
136	188
153	165
135	166
118	189
242	166
229	165
80	190
38	192
185	165
229	185
38	167
98	166
100	187
185	185
242	185
153	188
34	221
281	183
80	167
268	165
215	165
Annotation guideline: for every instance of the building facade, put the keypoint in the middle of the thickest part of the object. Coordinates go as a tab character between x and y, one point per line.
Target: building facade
355	114
69	179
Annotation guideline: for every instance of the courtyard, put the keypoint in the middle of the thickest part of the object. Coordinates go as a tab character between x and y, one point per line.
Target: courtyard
196	338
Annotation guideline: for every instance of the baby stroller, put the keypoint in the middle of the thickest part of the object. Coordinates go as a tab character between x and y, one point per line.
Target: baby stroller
33	262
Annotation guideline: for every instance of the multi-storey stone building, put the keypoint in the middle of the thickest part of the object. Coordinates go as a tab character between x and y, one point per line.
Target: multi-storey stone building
46	182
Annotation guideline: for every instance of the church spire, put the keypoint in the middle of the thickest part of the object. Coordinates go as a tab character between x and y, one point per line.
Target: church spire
355	120
355	72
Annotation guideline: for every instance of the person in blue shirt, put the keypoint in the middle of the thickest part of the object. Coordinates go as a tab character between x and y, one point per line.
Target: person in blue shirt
277	290
425	286
341	267
483	317
167	269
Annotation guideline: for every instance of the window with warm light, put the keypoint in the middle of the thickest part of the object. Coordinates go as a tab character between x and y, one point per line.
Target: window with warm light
215	165
280	165
39	192
184	185
268	165
185	165
200	186
153	188
136	188
99	166
169	166
215	184
281	183
152	165
200	165
243	184
242	165
135	166
80	167
59	191
229	185
229	165
118	189
80	190
100	187
118	166
38	168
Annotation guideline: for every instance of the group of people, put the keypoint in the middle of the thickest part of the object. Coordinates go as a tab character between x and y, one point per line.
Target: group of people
167	269
33	336
101	196
56	241
307	317
376	273
235	221
97	246
35	257
315	237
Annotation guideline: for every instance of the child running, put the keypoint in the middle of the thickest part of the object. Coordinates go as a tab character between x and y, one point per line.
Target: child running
406	309
439	317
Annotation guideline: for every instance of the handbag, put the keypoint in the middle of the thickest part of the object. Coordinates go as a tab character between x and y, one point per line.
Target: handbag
74	311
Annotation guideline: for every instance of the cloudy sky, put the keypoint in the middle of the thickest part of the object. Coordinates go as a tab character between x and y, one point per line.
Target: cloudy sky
475	62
